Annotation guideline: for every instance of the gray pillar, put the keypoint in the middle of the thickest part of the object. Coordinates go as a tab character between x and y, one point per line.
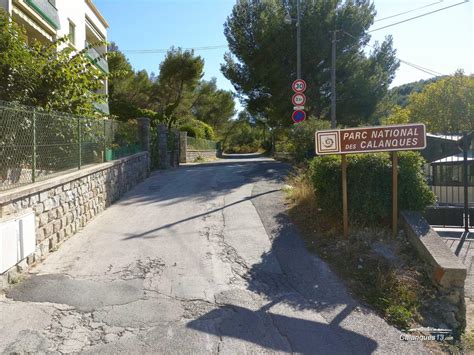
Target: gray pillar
219	149
144	137
176	148
183	146
144	133
163	158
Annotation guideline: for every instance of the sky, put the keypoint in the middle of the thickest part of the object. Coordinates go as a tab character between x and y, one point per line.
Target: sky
443	41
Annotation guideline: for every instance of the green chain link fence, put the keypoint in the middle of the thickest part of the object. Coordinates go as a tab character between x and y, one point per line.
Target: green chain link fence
201	144
36	145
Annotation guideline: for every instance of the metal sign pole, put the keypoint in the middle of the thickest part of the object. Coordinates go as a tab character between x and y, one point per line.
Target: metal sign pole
394	194
345	213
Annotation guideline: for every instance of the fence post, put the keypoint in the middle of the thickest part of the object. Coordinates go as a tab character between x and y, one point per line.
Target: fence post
105	142
183	146
466	144
79	140
33	163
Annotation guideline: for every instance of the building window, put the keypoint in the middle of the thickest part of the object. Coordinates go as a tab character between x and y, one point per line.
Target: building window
72	32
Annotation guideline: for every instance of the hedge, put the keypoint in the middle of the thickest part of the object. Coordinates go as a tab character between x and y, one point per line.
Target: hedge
369	180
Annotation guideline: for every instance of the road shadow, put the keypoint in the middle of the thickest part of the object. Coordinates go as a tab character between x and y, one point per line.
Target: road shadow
290	334
305	286
167	187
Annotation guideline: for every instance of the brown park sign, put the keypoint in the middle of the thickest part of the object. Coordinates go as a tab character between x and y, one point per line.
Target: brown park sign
371	139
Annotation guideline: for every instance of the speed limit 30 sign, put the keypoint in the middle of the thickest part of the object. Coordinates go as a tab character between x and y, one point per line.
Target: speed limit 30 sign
299	86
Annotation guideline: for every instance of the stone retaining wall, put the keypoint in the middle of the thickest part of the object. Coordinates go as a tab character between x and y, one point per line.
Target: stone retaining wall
65	204
192	155
444	268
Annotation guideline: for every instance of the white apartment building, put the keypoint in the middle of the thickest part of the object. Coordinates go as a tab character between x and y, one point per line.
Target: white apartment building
46	20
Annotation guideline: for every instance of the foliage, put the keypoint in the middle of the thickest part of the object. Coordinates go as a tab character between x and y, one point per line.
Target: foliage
370	205
256	32
50	76
198	129
177	96
129	91
244	135
400	95
446	105
299	139
398	115
180	73
212	105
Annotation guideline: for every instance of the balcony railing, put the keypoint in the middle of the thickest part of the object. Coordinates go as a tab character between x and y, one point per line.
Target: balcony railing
46	10
97	59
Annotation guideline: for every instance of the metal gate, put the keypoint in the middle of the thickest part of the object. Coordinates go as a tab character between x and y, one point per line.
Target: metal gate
450	174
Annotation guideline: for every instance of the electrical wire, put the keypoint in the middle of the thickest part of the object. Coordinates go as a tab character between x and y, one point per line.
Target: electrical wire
408	11
422	15
416	66
164	50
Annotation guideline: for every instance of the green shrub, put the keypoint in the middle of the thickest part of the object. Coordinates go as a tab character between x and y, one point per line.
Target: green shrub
369	181
299	139
198	129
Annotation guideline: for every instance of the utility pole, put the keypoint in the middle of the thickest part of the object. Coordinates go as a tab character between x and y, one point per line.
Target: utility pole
298	39
333	81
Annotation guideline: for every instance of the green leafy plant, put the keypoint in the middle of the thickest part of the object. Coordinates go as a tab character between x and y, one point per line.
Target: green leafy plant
369	185
50	76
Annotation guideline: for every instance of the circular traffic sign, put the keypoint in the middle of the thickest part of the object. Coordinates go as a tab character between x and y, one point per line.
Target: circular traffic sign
298	116
299	85
298	99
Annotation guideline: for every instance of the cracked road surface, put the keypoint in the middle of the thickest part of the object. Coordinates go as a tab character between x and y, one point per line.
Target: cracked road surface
200	259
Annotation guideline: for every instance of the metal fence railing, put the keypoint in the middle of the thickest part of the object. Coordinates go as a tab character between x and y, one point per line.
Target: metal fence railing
35	145
449	171
201	144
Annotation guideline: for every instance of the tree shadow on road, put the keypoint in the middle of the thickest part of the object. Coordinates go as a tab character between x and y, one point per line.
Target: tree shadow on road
168	187
281	332
314	301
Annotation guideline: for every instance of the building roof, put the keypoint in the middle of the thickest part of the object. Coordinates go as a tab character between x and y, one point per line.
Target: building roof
458	158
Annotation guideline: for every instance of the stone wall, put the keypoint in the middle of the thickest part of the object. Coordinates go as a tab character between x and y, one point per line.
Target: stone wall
444	268
192	155
65	204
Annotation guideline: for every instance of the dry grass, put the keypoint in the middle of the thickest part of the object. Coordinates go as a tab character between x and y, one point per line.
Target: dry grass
397	288
301	191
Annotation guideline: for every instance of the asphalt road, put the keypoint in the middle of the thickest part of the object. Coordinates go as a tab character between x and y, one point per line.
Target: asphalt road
200	259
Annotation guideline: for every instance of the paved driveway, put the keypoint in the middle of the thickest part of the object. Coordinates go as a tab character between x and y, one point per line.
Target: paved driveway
200	259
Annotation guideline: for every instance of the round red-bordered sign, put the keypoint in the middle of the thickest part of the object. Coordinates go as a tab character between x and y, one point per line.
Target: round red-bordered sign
299	85
298	116
298	99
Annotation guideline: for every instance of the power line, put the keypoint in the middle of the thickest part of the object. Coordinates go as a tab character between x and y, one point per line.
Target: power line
408	11
422	15
416	66
164	50
423	69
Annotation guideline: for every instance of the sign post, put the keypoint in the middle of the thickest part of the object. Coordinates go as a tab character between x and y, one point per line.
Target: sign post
370	140
394	194
345	210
